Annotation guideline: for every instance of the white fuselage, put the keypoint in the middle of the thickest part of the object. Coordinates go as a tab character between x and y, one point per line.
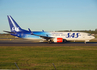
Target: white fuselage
81	36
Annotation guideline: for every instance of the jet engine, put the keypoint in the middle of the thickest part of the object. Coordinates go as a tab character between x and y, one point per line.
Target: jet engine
58	40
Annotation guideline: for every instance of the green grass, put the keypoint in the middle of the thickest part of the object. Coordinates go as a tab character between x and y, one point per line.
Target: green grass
41	58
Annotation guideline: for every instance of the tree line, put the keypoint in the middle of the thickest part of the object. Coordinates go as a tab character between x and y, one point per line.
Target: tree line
87	31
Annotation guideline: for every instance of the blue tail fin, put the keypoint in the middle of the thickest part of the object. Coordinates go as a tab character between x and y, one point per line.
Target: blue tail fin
14	27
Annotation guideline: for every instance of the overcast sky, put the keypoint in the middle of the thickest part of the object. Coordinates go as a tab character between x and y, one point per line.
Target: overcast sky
49	15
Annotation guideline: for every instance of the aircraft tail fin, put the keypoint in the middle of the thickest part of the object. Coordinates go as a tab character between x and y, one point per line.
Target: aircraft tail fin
14	27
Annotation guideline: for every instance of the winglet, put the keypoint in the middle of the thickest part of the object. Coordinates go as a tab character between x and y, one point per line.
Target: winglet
30	31
42	30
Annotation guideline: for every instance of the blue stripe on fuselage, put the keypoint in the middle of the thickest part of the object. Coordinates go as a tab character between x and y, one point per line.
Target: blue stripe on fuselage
26	34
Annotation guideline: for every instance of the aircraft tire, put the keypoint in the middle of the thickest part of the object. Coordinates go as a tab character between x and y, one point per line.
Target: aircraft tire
50	41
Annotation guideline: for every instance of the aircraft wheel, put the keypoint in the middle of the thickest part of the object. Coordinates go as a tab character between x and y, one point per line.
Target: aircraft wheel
50	41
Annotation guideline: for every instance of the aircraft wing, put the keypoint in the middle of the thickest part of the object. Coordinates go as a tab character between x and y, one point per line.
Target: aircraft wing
45	37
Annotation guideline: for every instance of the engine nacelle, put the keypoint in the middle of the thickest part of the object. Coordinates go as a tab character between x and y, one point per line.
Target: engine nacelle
58	40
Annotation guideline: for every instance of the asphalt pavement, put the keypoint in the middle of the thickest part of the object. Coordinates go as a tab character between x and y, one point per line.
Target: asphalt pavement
31	43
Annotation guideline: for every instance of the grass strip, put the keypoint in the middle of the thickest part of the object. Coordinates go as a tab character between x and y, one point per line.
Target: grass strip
41	58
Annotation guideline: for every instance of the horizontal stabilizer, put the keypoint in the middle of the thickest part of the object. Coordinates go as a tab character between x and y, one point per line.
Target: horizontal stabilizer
9	32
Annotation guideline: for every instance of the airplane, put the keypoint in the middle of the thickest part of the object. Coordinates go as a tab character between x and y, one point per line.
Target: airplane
50	37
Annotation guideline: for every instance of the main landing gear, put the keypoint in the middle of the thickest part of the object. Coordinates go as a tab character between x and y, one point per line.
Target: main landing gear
49	41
